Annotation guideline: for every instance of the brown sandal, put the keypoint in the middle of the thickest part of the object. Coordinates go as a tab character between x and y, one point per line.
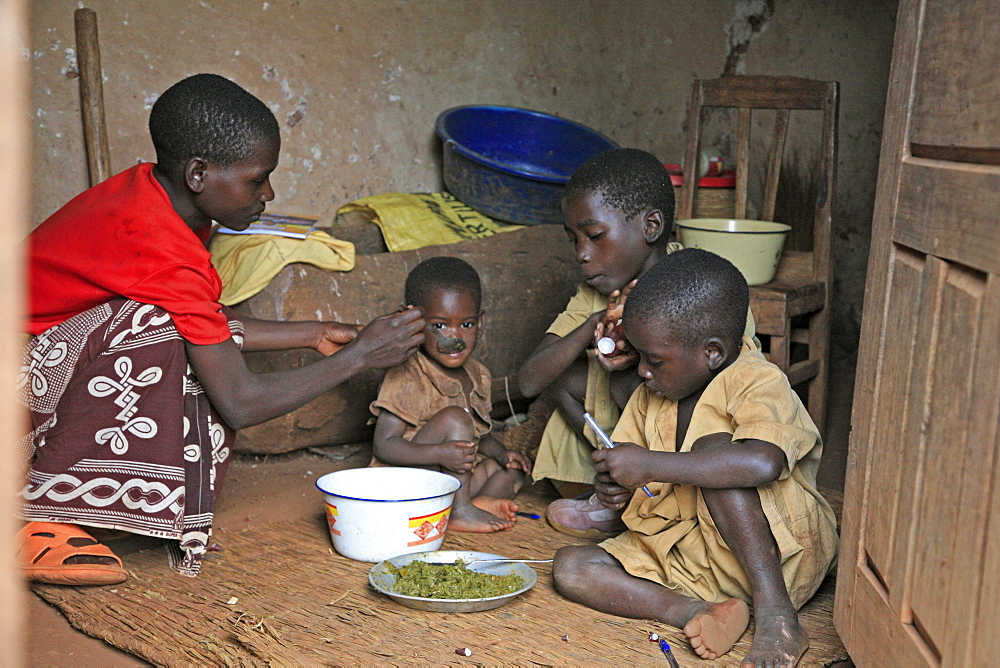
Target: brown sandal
46	546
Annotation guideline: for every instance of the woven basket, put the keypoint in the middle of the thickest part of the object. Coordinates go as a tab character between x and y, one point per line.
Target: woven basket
712	202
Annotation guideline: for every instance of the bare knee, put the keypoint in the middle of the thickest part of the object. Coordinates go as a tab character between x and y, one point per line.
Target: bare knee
451	423
573	566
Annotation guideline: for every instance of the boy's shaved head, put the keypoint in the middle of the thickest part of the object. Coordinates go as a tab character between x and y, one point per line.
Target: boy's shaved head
692	295
628	179
442	272
210	117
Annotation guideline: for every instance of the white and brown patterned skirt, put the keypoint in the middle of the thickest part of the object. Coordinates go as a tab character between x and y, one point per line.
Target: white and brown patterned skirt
122	434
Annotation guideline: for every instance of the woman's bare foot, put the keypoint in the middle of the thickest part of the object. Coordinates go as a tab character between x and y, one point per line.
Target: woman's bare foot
778	640
470	519
505	509
713	632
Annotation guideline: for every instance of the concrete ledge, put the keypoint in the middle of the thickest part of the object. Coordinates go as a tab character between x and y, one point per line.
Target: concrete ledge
528	276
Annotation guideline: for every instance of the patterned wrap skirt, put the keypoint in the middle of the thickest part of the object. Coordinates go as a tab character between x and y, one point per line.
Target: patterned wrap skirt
122	434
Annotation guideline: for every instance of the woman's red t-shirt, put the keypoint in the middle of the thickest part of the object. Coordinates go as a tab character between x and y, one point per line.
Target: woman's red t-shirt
123	238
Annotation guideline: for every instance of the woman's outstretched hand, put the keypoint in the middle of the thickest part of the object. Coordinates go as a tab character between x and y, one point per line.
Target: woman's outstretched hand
389	340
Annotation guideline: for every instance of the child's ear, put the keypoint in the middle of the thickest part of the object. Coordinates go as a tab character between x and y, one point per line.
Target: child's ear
194	174
652	226
482	322
717	353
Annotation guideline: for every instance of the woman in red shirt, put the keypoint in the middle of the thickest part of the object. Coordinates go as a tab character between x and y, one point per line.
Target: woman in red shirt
135	378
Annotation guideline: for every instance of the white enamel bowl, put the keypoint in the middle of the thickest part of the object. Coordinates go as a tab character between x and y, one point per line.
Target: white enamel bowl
754	246
382	511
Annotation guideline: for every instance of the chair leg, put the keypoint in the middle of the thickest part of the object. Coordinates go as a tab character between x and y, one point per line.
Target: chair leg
781	348
819	349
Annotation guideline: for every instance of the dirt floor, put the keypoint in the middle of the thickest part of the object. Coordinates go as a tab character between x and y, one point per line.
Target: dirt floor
257	490
266	489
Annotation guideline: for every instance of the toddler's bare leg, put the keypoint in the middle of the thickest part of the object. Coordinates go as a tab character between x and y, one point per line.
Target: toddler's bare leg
492	489
501	483
454	424
779	639
589	575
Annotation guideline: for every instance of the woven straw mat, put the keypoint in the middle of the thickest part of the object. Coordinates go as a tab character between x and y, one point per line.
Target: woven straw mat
279	595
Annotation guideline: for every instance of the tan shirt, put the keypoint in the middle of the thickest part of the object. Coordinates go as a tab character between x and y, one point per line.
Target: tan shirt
416	390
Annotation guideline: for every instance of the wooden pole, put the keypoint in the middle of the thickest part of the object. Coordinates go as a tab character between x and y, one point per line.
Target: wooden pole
95	132
15	168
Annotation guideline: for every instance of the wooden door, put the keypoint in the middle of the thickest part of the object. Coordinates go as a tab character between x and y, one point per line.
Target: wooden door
919	578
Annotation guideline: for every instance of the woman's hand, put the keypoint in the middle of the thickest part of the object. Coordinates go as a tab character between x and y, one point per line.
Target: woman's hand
335	335
389	340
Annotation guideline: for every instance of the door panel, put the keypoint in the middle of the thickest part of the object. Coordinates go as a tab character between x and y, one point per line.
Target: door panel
882	511
955	72
949	209
918	578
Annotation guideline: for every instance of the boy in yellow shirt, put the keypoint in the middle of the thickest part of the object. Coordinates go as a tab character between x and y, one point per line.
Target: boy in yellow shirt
618	211
730	455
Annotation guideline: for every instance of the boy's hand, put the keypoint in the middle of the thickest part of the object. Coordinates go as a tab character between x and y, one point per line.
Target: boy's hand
625	464
616	302
624	358
335	335
610	326
611	494
515	460
458	456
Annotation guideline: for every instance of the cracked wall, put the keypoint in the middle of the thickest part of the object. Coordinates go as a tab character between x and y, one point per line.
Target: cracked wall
357	84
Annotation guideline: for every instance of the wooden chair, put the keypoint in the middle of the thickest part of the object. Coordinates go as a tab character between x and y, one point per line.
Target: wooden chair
793	311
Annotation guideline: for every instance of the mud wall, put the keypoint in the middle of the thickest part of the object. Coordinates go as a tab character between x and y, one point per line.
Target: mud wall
357	84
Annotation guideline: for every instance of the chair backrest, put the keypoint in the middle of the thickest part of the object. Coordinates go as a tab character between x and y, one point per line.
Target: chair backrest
745	94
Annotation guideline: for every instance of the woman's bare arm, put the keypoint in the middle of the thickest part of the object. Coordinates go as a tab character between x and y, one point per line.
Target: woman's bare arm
244	398
326	337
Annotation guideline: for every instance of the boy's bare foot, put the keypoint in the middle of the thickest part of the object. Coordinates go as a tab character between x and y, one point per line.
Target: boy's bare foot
470	519
505	509
778	640
714	632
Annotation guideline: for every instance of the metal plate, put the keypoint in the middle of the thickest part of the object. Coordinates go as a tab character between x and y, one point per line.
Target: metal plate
384	581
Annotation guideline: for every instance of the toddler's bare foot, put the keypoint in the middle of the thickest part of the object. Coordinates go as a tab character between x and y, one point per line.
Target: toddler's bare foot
470	519
505	509
778	640
713	632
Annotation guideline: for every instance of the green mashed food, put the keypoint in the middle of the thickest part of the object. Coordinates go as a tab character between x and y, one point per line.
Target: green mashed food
454	581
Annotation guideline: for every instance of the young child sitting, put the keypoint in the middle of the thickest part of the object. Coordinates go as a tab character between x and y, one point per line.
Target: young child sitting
433	411
619	213
730	455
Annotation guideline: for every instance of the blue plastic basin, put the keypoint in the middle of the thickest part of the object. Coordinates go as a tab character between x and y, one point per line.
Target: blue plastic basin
510	163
